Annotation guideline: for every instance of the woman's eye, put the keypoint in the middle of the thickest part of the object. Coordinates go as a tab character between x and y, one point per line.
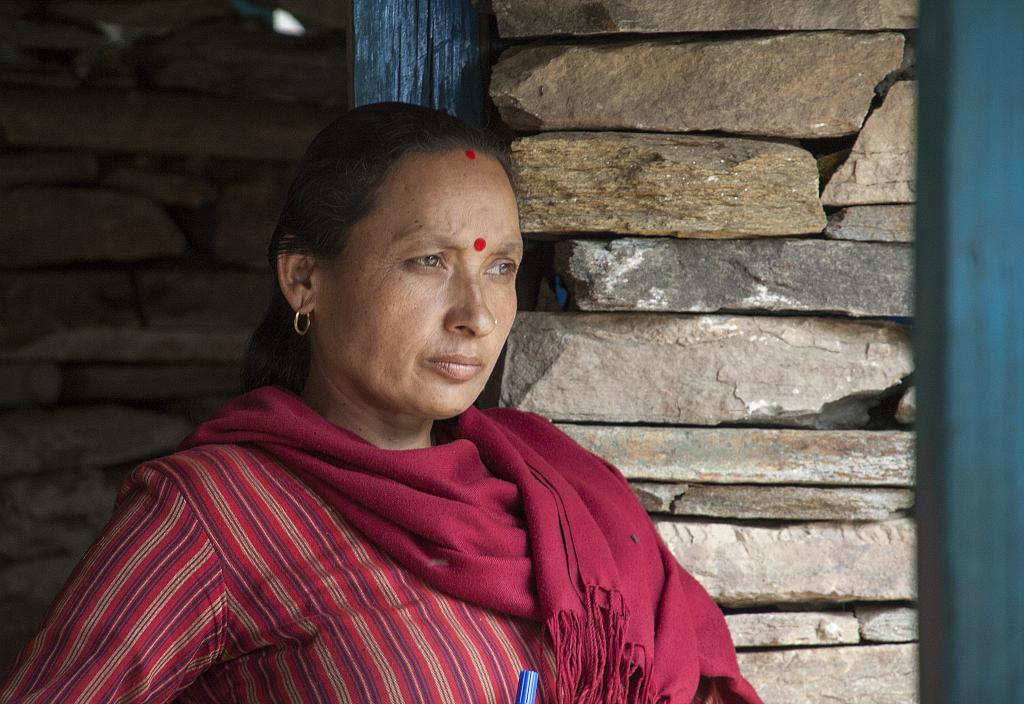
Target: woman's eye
507	268
431	260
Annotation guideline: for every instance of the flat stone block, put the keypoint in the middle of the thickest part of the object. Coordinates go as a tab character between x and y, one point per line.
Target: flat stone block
34	441
703	276
30	168
702	370
229	58
773	629
891	624
858	674
141	13
797	563
61	225
201	298
774	502
28	384
48	299
139	383
880	169
98	344
158	122
753	455
521	18
879	223
246	217
662	184
796	85
165	187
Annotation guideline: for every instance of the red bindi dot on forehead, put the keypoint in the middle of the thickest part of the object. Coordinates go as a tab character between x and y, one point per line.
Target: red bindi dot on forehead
471	154
479	243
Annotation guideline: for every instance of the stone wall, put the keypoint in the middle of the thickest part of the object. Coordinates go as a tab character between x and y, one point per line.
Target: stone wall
728	186
724	192
144	151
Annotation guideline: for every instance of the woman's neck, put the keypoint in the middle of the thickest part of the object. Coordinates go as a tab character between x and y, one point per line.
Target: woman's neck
382	430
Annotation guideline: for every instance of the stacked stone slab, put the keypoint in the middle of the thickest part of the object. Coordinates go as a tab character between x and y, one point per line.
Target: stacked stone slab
142	166
729	186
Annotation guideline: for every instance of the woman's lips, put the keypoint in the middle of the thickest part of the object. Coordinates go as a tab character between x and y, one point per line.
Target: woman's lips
457	367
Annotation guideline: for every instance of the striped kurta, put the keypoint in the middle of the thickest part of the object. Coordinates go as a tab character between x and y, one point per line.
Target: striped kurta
222	577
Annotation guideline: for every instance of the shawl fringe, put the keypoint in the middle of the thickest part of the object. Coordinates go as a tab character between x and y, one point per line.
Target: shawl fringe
593	662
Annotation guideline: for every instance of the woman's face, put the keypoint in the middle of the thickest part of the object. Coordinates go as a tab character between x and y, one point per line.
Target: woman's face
409	320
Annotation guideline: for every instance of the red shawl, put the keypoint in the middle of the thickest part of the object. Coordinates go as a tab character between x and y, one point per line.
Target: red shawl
510	513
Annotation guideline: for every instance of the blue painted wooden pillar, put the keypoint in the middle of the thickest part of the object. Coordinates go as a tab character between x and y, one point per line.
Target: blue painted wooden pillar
418	51
969	342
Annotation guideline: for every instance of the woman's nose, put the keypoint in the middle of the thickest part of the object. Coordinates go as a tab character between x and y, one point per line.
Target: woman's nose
468	310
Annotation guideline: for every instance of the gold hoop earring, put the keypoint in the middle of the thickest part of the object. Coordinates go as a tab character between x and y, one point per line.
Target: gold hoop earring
305	328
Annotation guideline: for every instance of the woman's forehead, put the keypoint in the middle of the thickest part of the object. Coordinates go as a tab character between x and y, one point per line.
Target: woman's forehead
437	192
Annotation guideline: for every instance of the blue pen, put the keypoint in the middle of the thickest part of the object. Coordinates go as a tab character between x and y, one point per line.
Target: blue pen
527	687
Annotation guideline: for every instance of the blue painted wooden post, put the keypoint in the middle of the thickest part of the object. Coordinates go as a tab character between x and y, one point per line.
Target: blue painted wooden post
969	342
418	51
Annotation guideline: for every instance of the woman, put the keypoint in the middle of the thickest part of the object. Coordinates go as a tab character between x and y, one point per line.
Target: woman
352	528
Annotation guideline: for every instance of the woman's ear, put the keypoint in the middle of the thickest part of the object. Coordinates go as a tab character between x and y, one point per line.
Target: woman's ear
294	276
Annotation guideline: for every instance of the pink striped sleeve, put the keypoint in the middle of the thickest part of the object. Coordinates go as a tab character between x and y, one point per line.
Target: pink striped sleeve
142	614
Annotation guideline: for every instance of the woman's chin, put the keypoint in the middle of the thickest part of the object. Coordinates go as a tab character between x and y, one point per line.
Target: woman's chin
445	403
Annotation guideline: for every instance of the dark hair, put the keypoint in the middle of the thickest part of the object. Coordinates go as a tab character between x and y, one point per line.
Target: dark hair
334	186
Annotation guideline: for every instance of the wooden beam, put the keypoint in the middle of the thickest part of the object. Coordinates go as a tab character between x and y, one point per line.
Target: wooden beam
418	51
970	350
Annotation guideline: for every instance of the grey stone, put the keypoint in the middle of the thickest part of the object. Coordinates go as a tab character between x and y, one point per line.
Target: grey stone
164	187
798	85
28	70
224	58
17	8
33	441
20	621
35	581
906	409
853	674
880	169
93	344
28	384
881	223
45	299
25	168
774	502
753	455
61	225
141	13
155	122
90	436
53	513
247	215
772	629
888	624
797	563
519	18
198	298
136	383
702	370
697	276
662	184
36	35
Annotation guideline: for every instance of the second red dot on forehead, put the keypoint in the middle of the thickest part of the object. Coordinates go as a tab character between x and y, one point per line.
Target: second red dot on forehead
471	154
479	243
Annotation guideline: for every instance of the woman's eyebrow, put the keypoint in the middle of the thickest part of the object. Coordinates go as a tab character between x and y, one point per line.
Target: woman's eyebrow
509	248
422	236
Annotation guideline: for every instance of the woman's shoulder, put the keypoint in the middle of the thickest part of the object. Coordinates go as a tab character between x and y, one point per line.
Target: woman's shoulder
204	475
548	439
531	427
